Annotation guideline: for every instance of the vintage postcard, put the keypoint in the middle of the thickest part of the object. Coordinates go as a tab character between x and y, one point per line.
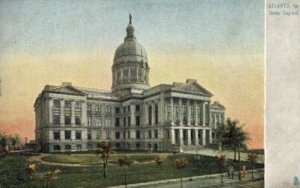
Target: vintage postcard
146	93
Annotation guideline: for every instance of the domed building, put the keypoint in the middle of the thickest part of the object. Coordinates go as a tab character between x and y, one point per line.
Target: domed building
132	115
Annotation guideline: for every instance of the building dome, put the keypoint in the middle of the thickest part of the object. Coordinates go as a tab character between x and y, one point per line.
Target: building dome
130	68
130	50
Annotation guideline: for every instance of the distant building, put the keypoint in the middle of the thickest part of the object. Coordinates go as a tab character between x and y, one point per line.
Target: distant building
132	115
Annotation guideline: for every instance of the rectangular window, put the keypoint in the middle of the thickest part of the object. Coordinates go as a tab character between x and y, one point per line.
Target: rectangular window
117	110
150	134
124	121
168	113
98	135
89	135
137	120
68	120
117	123
124	109
124	135
177	114
128	119
192	115
56	120
78	135
117	135
89	121
89	107
184	114
67	147
138	134
128	134
77	120
67	104
98	121
77	105
108	134
137	108
150	115
67	135
155	133
78	146
98	109
56	103
56	135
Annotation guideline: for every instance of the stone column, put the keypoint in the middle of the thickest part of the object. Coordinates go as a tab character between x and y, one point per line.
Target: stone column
172	110
189	137
196	113
203	113
72	113
173	141
210	136
188	112
180	111
62	114
180	137
204	137
62	135
196	137
83	113
132	115
208	113
145	115
50	111
215	121
153	113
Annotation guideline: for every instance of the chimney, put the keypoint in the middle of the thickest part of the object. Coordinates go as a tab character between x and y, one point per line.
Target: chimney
67	84
190	80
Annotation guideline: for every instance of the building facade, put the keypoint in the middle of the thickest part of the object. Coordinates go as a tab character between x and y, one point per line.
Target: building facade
132	115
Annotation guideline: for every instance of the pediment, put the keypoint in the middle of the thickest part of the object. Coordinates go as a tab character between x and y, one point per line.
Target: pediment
67	90
193	88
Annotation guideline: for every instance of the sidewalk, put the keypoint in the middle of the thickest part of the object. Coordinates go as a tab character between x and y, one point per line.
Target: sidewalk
229	154
198	181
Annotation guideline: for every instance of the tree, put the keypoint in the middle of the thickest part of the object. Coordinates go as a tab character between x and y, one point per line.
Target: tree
180	164
221	160
219	134
235	137
124	162
104	153
252	158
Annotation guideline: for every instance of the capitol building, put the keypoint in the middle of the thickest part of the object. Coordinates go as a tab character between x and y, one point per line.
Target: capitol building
132	115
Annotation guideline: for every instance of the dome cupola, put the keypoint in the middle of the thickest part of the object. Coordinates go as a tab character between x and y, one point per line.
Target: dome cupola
130	68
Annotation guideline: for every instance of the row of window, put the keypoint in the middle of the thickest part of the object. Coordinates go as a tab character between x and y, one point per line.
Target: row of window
126	109
67	120
67	104
127	121
176	113
68	135
98	122
66	147
127	134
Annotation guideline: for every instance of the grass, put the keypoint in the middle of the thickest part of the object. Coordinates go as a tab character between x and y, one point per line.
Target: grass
88	159
91	176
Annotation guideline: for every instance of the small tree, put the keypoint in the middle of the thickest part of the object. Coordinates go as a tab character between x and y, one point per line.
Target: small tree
158	161
253	159
124	162
181	163
104	153
221	160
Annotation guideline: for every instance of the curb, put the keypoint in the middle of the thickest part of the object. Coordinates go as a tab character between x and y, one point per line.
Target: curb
186	179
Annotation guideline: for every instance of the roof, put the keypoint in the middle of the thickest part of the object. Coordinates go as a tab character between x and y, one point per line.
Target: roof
217	105
190	87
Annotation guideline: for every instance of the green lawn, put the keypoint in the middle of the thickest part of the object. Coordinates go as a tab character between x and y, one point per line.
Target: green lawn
91	176
89	159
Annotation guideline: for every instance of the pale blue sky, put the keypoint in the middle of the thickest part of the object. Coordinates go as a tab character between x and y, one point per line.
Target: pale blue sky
36	26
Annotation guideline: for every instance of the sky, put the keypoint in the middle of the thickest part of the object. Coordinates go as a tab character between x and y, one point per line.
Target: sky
219	43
